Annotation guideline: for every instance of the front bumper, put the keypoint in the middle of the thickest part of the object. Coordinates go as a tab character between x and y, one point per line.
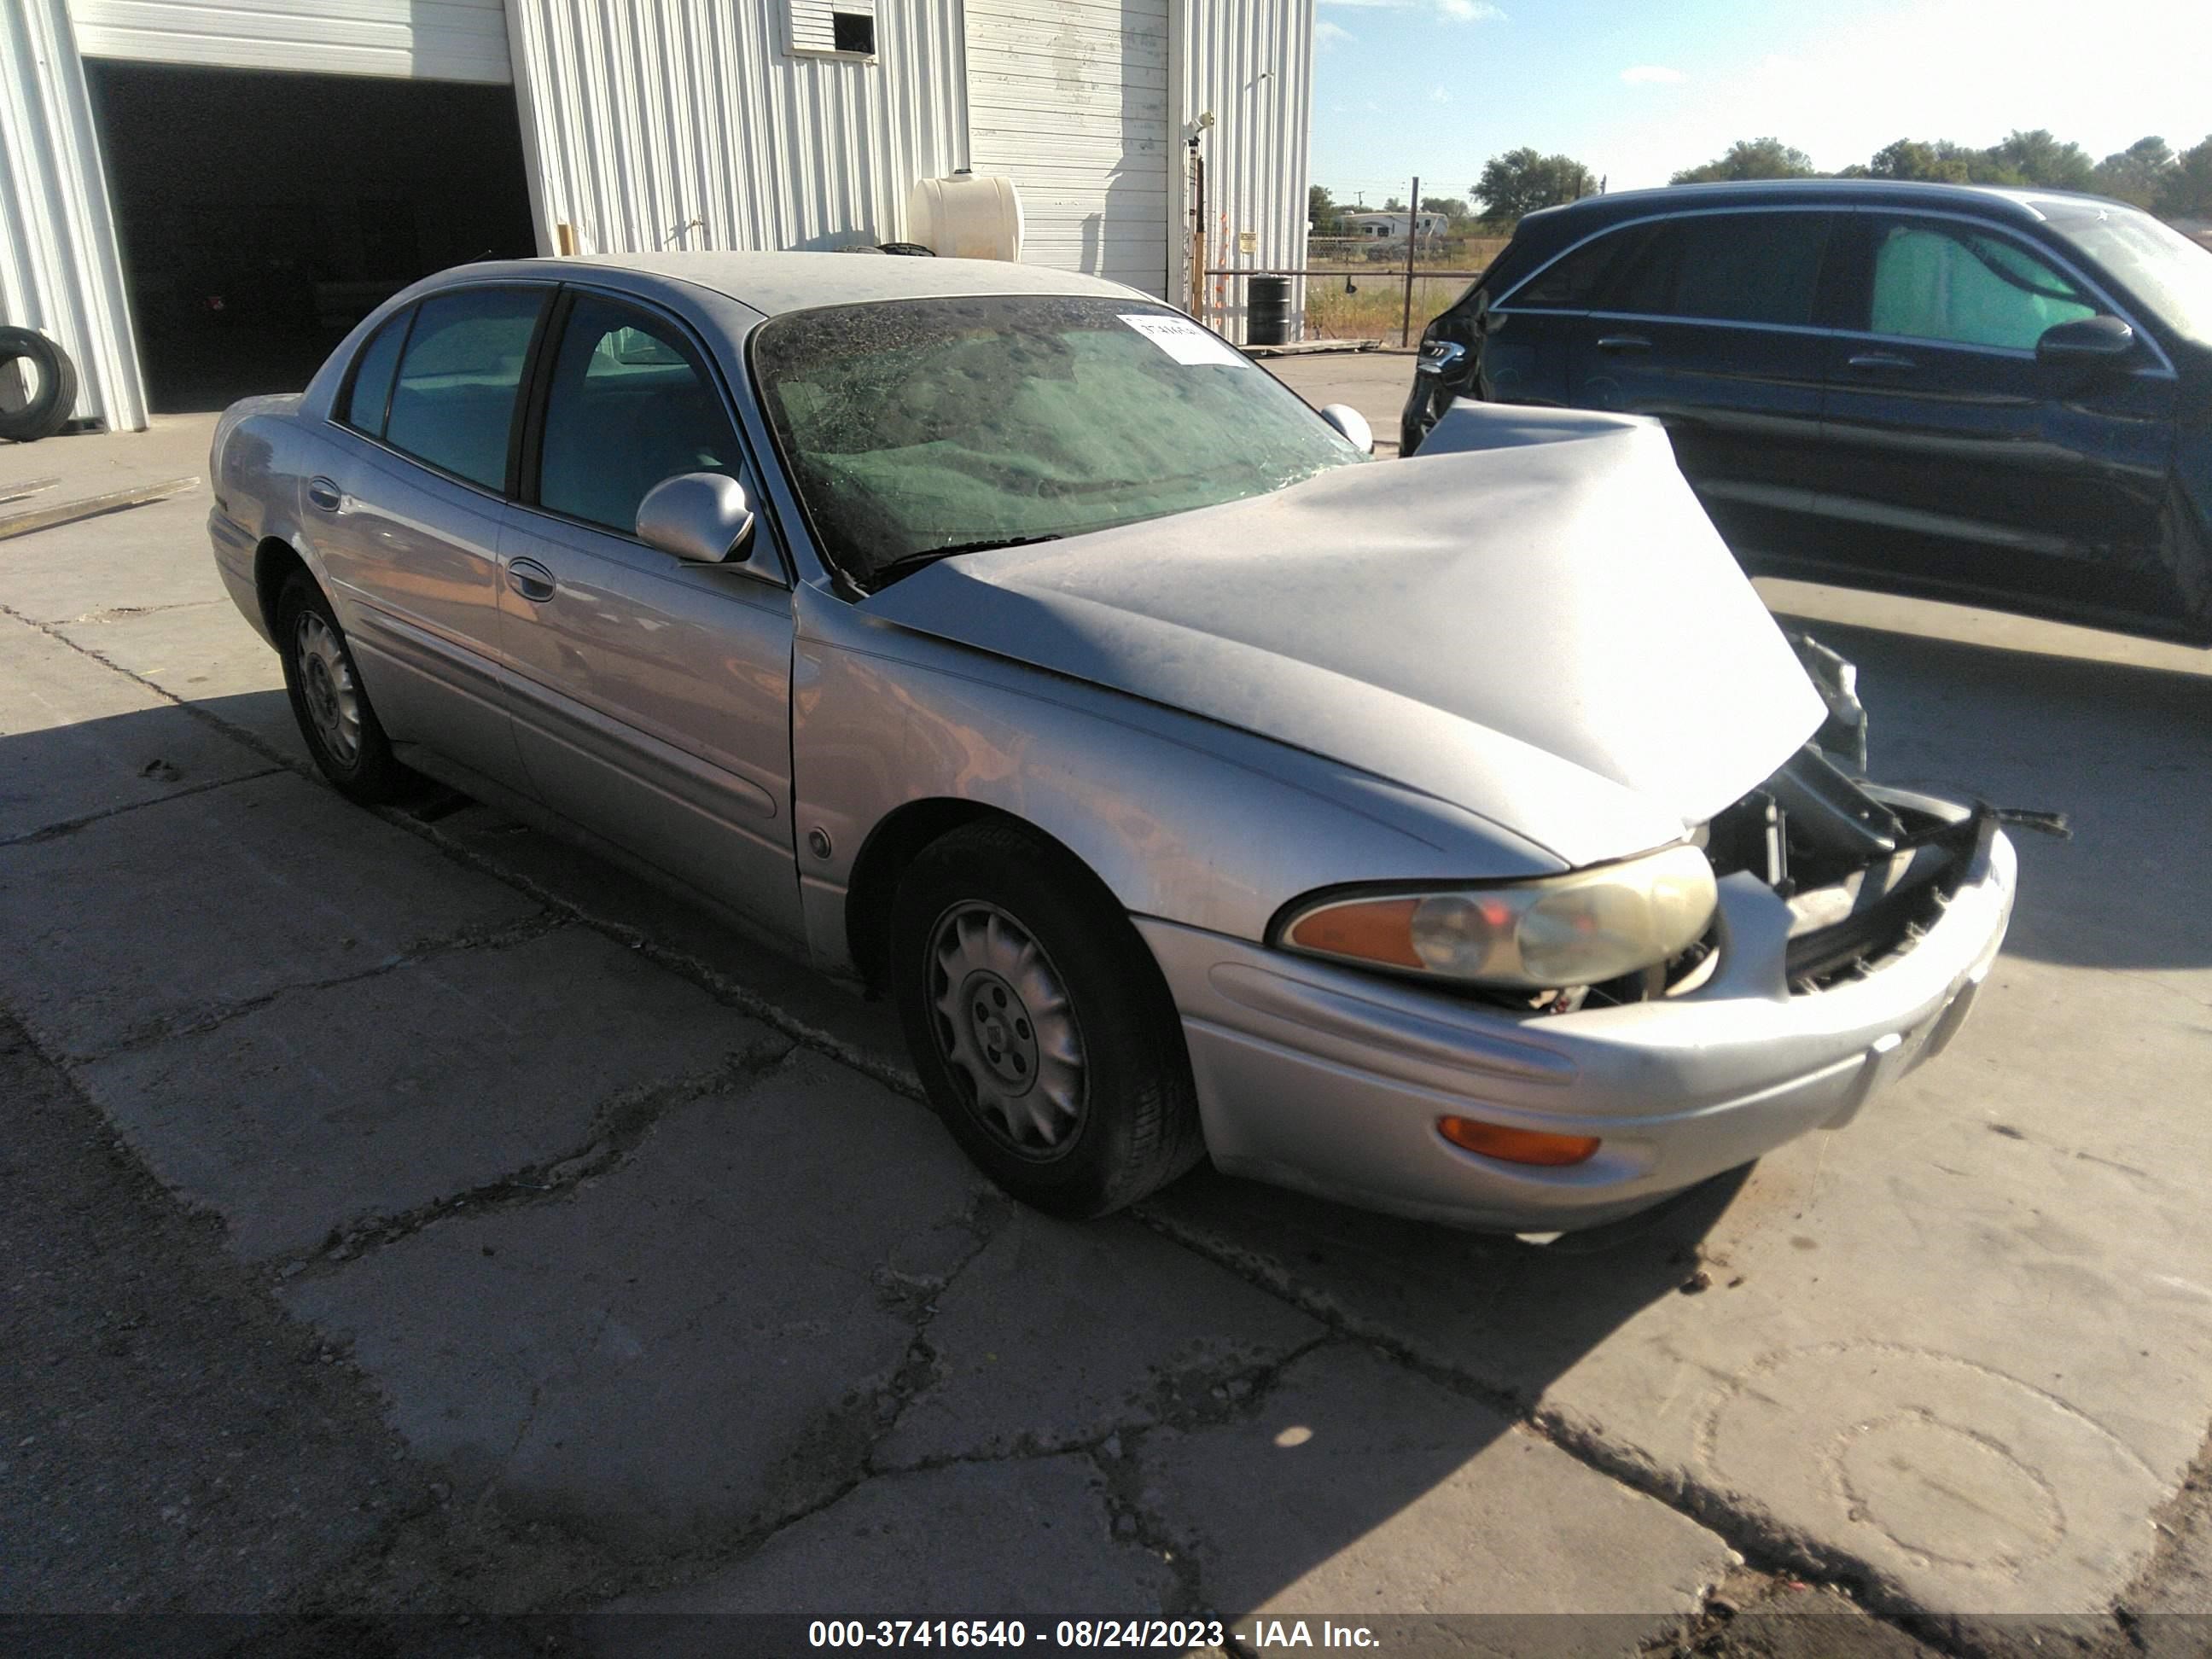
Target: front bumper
1331	1080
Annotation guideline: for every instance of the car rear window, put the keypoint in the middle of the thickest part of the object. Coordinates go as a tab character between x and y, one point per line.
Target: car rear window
371	389
1574	280
453	403
1727	267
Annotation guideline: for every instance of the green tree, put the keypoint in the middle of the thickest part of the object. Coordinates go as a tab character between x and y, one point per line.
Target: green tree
1522	181
1908	158
2185	192
1942	162
2040	159
2134	173
1454	207
1751	158
1323	212
1395	204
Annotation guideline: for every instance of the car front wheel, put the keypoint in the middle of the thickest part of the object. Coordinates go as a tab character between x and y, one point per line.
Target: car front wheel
1044	1035
328	700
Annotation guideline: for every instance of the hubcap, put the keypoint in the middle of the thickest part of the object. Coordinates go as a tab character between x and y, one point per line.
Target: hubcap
1005	1028
327	683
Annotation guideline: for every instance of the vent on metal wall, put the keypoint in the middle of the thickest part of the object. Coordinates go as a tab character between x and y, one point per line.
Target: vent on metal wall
838	28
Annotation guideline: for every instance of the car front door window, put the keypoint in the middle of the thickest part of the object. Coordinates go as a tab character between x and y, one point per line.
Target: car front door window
1963	287
630	405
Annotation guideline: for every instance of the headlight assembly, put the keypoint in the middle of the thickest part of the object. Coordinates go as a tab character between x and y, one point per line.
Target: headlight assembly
1582	928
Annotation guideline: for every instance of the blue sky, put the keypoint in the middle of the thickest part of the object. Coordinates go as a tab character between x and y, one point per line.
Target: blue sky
1638	88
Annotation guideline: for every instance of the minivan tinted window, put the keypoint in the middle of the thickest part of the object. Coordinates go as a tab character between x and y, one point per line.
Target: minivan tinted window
453	403
1730	267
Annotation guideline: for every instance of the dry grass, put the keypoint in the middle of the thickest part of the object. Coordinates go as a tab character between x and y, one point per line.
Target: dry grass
1377	309
1350	295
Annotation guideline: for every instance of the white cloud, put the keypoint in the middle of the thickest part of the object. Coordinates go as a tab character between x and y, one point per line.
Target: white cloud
1327	33
1456	11
1652	74
1438	95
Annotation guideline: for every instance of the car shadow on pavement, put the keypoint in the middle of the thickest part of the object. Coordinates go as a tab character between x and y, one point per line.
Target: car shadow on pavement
2124	751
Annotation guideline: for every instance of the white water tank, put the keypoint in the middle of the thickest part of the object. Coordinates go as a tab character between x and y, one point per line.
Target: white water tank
970	215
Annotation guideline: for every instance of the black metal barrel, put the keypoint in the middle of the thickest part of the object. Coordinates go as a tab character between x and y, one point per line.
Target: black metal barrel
1267	311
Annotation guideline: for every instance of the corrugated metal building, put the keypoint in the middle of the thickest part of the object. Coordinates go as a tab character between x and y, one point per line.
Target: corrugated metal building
196	192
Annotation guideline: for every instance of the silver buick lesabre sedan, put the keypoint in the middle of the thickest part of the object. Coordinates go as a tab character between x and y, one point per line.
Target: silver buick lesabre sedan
1443	837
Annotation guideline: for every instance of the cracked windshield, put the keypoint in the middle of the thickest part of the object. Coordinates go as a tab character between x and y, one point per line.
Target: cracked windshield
927	427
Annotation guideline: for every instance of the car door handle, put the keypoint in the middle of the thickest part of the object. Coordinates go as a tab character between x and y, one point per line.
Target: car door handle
1623	343
1880	359
325	494
530	579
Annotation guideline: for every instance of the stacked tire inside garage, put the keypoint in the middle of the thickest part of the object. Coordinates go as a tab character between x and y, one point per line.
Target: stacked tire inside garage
51	378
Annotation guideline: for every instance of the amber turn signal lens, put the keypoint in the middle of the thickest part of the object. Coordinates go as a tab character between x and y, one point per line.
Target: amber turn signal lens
1380	931
1516	1145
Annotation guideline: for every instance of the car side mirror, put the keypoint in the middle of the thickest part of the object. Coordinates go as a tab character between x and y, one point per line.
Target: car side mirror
700	517
1353	425
2087	343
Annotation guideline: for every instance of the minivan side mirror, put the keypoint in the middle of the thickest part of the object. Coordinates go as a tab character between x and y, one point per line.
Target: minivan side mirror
1353	425
2087	343
700	516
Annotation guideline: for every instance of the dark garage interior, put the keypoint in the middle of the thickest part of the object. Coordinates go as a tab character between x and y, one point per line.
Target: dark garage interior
262	214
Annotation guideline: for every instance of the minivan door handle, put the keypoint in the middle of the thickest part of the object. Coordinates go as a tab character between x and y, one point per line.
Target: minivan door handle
1623	343
530	579
1888	360
325	494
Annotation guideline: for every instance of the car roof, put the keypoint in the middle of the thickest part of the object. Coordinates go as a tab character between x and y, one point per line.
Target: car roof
775	282
2026	205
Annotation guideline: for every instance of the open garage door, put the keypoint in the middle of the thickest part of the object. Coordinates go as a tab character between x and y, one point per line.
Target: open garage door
1069	99
261	214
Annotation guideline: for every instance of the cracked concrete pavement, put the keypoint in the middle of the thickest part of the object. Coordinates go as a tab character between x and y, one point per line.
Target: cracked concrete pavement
628	1243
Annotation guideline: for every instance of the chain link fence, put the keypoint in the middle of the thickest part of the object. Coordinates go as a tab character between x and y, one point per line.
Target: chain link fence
1356	287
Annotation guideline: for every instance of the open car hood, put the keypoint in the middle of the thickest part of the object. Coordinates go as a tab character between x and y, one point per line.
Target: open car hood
1549	633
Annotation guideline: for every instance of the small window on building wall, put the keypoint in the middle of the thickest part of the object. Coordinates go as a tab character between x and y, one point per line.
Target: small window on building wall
833	28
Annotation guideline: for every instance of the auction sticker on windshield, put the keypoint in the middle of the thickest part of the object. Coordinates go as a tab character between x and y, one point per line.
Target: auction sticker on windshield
1182	339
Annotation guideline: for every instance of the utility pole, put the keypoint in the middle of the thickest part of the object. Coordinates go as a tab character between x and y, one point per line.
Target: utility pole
1412	227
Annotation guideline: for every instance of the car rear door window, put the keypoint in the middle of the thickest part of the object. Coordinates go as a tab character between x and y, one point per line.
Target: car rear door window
453	403
1571	283
1727	267
630	405
370	391
1952	282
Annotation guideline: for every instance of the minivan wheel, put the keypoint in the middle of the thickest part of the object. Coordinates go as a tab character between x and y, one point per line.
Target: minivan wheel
1044	1035
330	702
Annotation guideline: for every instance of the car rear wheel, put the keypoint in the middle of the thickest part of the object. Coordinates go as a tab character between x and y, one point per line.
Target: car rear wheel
330	702
1044	1035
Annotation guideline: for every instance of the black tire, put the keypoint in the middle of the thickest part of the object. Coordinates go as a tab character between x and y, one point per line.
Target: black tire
1137	1126
353	753
48	409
